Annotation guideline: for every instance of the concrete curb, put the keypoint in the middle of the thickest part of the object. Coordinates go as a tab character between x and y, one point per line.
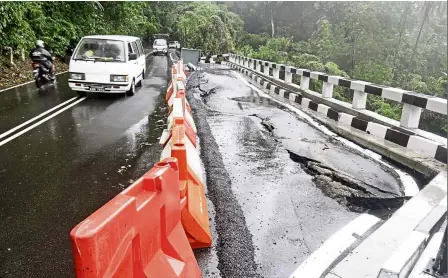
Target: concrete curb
335	247
429	253
394	247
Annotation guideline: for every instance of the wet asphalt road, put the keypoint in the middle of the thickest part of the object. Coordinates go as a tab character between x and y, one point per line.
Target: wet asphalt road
270	216
58	173
267	215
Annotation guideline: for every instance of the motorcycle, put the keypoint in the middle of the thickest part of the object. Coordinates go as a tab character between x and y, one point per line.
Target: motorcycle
42	75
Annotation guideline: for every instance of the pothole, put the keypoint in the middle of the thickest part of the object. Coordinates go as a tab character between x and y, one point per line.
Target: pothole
265	122
356	195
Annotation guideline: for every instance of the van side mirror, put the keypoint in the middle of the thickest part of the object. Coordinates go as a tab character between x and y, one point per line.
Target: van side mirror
132	56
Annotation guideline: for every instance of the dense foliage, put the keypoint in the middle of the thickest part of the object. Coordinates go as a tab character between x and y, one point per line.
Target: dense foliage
400	44
207	26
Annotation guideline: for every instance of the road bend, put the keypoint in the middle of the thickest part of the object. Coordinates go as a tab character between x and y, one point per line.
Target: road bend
269	177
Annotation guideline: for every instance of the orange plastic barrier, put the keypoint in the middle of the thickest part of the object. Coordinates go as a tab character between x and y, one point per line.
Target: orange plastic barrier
138	233
173	79
180	69
181	143
188	131
169	92
195	214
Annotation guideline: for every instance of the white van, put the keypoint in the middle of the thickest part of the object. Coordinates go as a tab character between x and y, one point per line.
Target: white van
107	64
160	46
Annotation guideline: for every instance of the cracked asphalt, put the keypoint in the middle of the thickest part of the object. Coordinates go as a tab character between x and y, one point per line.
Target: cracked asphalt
269	213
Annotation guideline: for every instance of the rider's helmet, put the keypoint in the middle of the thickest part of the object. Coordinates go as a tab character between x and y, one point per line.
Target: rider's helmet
39	43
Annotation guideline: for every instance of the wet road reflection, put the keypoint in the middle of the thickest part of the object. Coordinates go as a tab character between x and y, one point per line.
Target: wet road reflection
23	103
58	173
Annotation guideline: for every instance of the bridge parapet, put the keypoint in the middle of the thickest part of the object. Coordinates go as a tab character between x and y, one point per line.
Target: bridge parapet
413	103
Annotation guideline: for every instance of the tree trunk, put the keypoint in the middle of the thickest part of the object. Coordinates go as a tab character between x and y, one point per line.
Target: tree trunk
11	55
353	48
425	18
272	21
402	26
427	6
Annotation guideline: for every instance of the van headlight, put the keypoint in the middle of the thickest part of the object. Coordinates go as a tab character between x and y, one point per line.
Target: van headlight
119	78
77	76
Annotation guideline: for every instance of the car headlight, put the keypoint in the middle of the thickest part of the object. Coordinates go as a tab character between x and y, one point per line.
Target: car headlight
77	76
119	78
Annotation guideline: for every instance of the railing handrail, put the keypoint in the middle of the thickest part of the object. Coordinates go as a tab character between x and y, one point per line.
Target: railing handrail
428	102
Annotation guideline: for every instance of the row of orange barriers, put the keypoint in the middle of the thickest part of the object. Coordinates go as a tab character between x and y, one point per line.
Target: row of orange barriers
150	228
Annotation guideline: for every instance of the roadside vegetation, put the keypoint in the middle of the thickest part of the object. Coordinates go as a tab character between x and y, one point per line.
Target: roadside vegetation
399	44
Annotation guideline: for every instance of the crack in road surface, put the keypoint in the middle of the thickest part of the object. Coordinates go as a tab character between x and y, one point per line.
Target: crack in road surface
353	193
356	195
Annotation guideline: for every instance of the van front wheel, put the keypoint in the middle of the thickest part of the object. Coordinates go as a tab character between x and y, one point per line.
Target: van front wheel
140	83
131	91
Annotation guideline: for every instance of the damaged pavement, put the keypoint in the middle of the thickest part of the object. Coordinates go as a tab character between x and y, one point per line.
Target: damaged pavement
279	186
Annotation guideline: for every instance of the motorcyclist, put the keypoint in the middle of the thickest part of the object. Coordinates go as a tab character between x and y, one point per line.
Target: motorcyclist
41	55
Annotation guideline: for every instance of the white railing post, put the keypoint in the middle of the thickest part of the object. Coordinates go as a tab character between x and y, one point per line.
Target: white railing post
327	90
276	71
258	66
266	69
359	100
288	75
304	82
410	116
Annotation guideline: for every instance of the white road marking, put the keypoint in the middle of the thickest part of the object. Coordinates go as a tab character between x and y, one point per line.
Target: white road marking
9	88
35	118
321	259
40	122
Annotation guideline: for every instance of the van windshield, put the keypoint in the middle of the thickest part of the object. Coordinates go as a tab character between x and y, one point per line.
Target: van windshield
160	42
100	49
